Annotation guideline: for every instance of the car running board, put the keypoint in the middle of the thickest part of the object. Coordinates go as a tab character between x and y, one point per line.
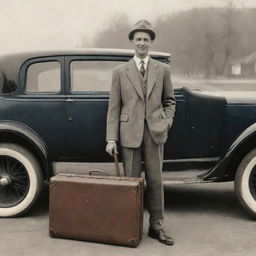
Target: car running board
184	180
169	177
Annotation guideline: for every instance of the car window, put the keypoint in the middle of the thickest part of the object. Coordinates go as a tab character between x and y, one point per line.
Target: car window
91	75
43	77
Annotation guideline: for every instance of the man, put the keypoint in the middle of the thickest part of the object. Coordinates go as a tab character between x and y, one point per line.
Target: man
141	108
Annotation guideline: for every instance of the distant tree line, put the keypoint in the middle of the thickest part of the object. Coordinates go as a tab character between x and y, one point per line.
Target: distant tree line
201	41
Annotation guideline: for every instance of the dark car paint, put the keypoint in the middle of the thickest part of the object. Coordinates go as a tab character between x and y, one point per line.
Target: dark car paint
205	126
225	168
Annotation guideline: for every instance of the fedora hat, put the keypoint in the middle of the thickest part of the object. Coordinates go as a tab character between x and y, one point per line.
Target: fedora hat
142	26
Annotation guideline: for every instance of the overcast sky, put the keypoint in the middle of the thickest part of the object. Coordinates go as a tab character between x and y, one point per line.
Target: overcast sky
37	24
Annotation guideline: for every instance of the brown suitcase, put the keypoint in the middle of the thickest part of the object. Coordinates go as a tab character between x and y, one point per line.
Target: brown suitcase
106	209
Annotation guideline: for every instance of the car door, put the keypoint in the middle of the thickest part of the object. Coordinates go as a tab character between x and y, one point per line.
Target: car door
41	102
197	137
88	84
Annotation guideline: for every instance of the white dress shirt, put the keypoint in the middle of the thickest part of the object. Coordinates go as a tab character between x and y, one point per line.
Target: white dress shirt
138	62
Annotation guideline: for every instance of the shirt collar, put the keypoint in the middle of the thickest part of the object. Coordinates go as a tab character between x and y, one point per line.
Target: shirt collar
138	60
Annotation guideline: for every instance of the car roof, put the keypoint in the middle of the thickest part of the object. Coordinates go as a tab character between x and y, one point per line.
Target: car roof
78	51
10	63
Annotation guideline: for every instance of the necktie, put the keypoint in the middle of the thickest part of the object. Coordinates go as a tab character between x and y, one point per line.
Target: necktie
142	68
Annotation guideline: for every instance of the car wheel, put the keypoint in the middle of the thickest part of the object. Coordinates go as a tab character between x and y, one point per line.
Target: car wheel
20	180
245	182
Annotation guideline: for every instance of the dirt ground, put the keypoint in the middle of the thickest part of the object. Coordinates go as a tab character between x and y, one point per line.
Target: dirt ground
203	219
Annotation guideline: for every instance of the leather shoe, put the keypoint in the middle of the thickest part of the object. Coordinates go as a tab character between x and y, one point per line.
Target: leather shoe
160	236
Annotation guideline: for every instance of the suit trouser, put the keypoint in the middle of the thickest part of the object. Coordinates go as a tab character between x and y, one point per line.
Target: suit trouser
152	155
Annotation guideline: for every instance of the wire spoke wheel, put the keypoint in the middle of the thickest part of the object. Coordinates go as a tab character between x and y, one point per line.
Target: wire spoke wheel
245	182
16	187
252	182
21	180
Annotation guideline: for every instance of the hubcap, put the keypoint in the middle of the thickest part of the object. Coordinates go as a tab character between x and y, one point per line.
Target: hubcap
5	180
14	181
252	182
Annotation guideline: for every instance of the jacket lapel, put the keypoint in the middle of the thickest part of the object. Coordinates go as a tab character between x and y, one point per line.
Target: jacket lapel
152	75
133	76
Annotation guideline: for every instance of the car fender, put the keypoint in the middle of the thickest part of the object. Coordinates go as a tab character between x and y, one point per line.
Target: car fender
9	129
226	167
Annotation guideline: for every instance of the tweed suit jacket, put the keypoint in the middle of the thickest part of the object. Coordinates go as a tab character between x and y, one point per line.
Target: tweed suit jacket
128	108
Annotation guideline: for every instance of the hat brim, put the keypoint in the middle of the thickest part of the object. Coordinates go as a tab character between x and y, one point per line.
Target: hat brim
149	31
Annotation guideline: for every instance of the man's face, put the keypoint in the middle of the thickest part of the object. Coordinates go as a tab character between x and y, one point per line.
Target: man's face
141	43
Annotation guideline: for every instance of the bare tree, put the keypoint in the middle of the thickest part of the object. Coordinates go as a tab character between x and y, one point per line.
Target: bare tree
228	15
115	35
201	41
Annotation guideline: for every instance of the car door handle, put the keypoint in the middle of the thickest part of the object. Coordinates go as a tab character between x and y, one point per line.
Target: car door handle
69	100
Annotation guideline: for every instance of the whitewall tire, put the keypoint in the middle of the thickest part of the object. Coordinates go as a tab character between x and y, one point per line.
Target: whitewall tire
245	182
20	180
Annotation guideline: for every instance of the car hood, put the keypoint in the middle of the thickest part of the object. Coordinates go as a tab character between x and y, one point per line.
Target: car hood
234	97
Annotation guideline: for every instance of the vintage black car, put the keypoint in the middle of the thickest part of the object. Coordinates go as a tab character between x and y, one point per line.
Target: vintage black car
53	107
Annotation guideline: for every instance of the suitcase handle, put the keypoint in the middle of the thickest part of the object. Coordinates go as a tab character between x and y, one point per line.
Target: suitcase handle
117	165
95	171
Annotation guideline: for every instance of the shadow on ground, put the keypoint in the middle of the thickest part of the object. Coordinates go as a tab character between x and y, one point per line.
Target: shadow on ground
212	198
41	206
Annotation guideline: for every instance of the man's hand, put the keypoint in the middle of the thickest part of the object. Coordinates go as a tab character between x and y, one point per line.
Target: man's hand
111	147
